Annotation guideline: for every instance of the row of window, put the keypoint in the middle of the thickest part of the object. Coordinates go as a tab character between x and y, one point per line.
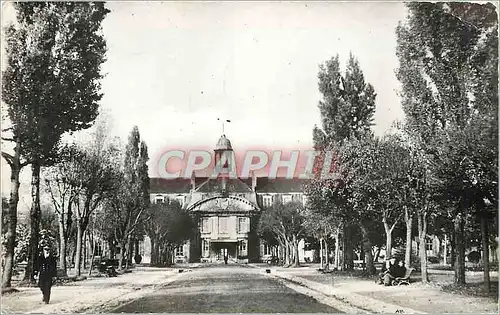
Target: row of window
267	200
242	226
161	199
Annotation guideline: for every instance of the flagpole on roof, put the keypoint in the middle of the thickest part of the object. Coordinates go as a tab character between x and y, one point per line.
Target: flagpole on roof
226	120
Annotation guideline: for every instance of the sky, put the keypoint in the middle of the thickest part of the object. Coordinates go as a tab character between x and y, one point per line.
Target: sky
173	68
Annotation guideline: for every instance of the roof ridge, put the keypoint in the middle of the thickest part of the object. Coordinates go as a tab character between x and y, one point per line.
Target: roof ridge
245	184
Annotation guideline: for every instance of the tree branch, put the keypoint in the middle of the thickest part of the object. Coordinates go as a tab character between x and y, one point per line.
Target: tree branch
9	158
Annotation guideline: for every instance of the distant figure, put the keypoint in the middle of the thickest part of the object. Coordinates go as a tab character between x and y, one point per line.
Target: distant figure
396	270
46	268
225	259
400	270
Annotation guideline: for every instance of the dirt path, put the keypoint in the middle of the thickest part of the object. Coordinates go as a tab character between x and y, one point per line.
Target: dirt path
223	289
92	295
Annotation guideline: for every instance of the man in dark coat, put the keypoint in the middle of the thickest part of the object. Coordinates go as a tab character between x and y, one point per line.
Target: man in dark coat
396	270
46	270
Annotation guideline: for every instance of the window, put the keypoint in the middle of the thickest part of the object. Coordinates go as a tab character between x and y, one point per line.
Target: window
267	250
243	246
428	244
223	225
205	228
304	200
287	199
179	251
242	225
267	201
159	199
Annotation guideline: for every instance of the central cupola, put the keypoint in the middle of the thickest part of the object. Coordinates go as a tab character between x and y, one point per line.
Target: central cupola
223	148
223	144
224	161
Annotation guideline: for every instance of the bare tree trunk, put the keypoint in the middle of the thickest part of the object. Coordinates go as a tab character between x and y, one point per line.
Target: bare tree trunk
11	216
422	233
84	250
296	262
321	253
62	245
459	250
452	250
408	221
153	254
337	250
73	254
157	252
130	252
127	249
282	253
92	257
35	214
111	247
348	247
485	254
388	240
287	254
78	255
136	250
367	248
445	250
122	255
326	253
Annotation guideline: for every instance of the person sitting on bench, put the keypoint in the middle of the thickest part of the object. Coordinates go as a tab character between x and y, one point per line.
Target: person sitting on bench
385	269
396	270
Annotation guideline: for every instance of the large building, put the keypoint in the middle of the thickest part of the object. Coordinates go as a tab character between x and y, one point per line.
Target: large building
226	211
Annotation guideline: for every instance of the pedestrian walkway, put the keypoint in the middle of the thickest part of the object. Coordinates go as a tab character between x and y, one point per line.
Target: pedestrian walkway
365	294
91	295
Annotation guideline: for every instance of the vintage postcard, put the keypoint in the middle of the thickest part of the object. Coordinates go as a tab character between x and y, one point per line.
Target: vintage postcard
249	157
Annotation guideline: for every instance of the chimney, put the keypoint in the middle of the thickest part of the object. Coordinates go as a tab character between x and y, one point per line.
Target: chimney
193	181
254	182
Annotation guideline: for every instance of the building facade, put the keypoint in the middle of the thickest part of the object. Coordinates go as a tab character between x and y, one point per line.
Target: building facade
226	211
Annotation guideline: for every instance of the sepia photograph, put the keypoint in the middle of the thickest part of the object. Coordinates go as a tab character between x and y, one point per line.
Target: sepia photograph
249	157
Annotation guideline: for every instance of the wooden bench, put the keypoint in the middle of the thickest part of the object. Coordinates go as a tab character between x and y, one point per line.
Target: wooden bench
359	264
403	280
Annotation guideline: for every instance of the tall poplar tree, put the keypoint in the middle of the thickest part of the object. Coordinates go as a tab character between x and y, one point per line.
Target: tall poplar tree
127	208
347	108
447	69
51	87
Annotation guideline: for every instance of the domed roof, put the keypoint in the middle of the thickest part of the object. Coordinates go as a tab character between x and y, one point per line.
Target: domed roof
223	144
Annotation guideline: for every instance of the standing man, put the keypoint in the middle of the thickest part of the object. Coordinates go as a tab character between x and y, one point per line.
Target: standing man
46	269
